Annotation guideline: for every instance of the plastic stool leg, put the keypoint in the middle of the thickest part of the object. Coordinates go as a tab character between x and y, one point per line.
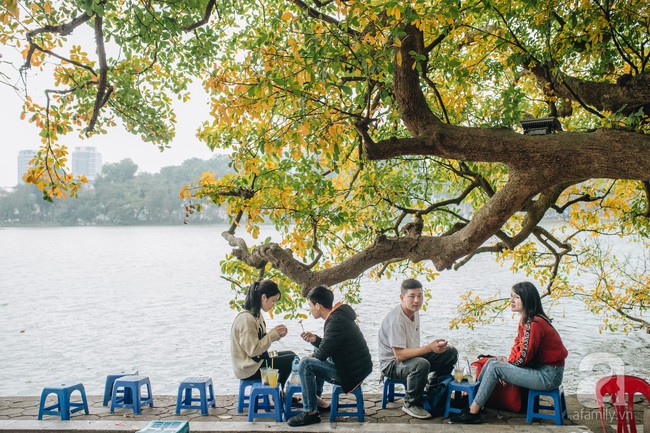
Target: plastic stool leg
389	389
149	394
179	400
203	395
84	400
212	399
64	404
41	406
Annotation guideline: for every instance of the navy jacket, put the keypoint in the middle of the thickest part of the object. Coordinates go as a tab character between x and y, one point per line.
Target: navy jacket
344	343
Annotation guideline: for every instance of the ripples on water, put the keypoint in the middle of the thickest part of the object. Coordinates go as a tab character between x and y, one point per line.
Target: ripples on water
81	303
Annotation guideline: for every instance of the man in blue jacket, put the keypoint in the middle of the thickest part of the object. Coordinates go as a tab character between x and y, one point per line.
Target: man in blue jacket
341	356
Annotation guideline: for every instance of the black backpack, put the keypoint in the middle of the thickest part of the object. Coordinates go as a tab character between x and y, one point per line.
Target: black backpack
436	398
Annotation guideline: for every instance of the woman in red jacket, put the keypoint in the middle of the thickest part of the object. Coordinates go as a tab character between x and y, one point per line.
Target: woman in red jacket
536	360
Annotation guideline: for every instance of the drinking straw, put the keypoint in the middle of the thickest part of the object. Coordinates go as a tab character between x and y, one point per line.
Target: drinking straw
271	363
469	367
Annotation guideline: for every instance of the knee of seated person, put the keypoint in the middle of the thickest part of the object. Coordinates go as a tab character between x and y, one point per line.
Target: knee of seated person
419	366
305	363
452	353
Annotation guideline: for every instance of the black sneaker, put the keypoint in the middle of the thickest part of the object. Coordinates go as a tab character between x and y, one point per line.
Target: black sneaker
304	418
466	417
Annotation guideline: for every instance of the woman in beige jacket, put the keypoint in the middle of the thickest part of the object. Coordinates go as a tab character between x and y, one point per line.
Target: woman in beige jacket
249	340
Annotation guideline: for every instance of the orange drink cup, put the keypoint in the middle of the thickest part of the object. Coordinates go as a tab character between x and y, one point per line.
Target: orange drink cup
272	375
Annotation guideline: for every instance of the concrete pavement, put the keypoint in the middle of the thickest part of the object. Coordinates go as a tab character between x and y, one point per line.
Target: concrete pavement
20	414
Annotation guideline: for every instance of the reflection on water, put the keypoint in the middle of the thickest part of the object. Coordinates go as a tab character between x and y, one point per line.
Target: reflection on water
81	303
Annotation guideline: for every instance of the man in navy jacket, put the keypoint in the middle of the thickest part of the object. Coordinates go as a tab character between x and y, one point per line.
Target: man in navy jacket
341	356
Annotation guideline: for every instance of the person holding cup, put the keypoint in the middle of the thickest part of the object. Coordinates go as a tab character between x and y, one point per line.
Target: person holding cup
250	341
536	360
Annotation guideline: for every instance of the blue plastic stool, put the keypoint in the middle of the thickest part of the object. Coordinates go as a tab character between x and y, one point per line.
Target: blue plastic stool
130	386
334	411
110	380
389	393
63	407
263	392
243	399
288	401
206	394
558	408
463	386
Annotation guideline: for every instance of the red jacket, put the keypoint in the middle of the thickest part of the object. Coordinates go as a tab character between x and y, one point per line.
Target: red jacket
537	343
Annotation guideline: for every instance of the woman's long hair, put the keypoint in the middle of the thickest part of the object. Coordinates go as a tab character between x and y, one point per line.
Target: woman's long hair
253	301
530	300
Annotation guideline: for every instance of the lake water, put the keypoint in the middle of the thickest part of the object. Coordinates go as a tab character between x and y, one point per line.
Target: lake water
80	303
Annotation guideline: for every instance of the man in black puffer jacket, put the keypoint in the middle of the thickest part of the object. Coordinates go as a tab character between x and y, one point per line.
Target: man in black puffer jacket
341	356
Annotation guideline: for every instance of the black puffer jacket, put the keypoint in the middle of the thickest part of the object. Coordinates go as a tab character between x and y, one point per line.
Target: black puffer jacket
344	343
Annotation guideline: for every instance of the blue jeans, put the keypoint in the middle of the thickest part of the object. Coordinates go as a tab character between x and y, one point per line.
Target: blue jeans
542	378
313	374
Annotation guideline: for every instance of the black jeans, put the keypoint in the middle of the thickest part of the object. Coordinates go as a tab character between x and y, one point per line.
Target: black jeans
414	372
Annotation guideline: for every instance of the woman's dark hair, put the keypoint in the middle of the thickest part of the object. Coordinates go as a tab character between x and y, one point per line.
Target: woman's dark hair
530	301
253	301
321	295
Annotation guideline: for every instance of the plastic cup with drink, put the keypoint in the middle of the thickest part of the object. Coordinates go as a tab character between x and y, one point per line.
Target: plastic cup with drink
264	374
272	375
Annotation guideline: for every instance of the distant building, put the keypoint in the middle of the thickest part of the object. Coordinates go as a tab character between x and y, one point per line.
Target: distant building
24	156
86	162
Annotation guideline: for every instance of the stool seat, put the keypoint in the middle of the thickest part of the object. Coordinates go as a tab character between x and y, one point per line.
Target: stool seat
335	409
259	392
534	406
206	394
126	393
63	407
288	400
464	386
110	381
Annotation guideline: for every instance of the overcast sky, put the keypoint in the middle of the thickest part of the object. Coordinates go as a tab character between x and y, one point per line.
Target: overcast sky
19	134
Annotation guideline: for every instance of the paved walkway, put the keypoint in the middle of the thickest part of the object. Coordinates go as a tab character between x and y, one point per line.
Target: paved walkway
20	414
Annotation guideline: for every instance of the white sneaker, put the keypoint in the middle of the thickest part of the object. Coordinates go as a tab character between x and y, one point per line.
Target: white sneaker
416	411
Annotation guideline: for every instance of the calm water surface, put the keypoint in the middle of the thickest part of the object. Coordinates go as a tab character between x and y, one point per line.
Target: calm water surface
80	303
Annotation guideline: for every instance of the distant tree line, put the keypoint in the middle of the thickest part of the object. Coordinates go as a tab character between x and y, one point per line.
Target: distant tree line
117	197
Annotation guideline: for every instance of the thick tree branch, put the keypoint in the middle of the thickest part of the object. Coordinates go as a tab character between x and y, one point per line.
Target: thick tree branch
62	29
103	91
441	250
569	156
206	17
626	96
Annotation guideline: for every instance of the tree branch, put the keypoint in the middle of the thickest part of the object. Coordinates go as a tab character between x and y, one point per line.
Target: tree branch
206	17
646	188
103	91
314	13
627	96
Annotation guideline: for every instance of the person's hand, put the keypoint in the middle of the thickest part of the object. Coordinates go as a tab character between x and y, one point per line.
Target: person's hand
308	337
281	330
438	345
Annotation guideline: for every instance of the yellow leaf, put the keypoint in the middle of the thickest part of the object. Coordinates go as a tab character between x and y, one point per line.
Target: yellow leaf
399	58
287	16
